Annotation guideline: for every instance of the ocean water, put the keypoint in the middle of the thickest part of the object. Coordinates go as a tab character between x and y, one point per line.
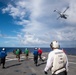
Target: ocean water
69	51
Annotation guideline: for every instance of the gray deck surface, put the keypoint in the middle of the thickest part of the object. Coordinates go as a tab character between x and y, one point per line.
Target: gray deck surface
27	67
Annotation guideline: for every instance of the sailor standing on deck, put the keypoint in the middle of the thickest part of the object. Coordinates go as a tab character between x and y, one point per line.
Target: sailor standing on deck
35	53
18	53
3	55
40	53
26	52
57	60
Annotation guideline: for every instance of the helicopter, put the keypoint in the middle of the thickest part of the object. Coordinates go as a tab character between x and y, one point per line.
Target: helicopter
62	14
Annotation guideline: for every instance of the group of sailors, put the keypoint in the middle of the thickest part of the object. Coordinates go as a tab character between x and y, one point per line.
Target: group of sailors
17	52
57	60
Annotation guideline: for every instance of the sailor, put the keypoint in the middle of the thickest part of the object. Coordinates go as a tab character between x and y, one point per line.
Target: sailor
26	52
40	53
57	60
35	53
3	55
18	53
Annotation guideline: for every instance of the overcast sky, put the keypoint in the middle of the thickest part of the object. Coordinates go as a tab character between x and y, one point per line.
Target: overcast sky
33	23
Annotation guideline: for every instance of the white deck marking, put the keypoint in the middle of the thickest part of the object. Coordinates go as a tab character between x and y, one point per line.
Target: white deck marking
72	62
23	58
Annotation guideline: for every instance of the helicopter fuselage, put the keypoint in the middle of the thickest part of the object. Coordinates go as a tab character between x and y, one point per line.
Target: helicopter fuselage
63	16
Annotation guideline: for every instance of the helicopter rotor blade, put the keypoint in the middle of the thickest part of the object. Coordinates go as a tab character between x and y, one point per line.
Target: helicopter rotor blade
66	9
58	17
57	12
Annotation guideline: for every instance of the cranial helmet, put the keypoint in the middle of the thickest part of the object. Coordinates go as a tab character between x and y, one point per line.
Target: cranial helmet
3	49
36	48
26	48
54	44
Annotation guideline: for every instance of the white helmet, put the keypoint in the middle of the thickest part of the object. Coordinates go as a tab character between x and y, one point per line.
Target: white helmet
26	48
54	44
36	48
3	49
39	48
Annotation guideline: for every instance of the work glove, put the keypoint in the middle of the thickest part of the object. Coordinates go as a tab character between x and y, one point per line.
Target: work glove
45	72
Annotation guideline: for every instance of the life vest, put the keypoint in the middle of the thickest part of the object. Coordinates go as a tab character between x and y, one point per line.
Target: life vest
3	54
26	51
35	53
59	61
17	52
39	51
